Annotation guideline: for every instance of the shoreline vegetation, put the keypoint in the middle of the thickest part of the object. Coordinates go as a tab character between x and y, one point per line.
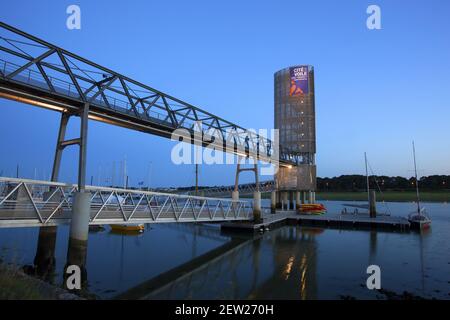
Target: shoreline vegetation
388	196
435	188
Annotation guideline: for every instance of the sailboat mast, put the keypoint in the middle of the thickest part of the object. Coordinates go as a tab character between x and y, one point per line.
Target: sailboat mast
367	179
417	181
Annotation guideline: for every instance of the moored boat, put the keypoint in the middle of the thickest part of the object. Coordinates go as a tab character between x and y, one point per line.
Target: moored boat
418	220
127	227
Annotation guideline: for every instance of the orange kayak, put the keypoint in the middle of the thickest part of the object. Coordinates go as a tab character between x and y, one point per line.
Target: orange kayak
313	208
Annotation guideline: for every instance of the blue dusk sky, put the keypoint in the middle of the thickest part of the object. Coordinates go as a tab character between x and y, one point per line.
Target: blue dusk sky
376	90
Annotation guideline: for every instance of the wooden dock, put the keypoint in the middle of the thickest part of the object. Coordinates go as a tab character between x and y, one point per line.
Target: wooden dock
328	220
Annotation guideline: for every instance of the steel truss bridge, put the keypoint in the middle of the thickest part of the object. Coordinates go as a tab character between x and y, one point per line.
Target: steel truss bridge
28	203
36	72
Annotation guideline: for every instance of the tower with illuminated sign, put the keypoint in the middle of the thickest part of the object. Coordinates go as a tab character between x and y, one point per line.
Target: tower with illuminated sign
295	119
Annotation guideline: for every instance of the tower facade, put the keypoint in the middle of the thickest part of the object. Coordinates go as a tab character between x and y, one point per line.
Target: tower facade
295	119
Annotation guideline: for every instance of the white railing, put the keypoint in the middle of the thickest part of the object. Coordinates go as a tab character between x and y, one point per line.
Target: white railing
25	202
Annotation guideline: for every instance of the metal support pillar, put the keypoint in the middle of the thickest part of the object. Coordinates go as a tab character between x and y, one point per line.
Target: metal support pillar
235	197
278	204
83	148
291	200
297	200
273	201
59	145
256	194
285	202
310	199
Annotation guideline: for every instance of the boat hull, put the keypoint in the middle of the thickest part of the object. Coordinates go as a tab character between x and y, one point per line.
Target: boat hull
127	228
420	225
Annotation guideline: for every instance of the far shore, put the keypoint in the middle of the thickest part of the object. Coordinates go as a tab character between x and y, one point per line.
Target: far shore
392	196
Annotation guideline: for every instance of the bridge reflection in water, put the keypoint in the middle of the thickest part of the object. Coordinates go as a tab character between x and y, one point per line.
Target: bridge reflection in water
263	267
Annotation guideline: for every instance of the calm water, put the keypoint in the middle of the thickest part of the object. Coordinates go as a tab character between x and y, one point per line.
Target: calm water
287	263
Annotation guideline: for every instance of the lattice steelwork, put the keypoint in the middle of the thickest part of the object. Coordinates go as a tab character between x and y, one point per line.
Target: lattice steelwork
26	202
244	189
295	120
39	73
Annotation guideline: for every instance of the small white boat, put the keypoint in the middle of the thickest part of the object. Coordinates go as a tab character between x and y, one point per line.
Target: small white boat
420	220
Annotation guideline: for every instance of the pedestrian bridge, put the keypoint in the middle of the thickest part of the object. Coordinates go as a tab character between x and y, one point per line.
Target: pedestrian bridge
34	203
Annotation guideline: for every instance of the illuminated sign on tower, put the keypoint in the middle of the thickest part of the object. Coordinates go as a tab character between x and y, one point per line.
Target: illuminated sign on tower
299	80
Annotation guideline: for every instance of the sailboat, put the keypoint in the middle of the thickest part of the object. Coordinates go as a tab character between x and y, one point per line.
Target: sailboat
418	219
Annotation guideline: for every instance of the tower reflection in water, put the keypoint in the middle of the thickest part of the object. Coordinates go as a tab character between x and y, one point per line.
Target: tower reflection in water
277	265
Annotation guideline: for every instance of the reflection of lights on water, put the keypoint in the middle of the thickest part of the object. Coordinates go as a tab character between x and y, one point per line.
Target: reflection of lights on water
303	268
287	270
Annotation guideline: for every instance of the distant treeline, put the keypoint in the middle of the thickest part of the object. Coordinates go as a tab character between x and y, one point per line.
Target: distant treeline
358	183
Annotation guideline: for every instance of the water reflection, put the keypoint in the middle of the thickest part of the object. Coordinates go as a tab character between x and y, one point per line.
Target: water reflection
295	262
44	261
196	261
76	255
255	268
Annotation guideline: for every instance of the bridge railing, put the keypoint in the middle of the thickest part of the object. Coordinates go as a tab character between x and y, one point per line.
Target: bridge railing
225	191
25	202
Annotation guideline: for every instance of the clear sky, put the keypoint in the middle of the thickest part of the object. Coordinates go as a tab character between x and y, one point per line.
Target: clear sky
376	90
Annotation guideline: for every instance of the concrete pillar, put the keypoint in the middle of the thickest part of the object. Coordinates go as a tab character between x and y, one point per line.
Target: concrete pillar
291	200
313	194
302	195
285	203
257	207
372	204
81	209
279	206
235	197
79	231
273	201
297	200
310	200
